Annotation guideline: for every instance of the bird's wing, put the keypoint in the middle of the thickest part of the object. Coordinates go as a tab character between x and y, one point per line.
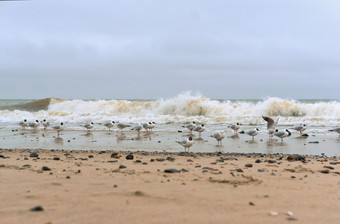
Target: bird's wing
270	122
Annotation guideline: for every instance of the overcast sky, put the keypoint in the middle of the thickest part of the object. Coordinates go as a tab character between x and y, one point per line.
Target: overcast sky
150	49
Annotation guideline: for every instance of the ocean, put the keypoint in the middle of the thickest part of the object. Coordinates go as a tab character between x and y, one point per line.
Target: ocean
169	114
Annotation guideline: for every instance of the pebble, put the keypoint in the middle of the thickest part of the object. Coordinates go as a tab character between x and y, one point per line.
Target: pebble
2	166
34	155
251	203
295	157
260	170
289	213
129	157
45	168
171	159
329	167
258	161
115	155
324	171
271	161
37	209
138	161
273	213
239	170
56	158
112	161
171	170
68	177
122	167
90	156
315	142
291	219
160	159
249	165
145	163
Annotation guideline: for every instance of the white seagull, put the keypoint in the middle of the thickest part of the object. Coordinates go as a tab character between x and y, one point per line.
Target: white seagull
34	125
336	130
191	126
300	128
89	126
271	125
45	124
218	136
147	125
138	128
235	127
59	128
187	143
109	125
253	132
23	124
200	129
282	134
121	126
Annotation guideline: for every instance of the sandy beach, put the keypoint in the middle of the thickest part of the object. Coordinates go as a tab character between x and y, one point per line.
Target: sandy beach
105	187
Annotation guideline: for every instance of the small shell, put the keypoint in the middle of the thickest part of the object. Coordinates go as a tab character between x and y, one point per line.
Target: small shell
289	213
273	213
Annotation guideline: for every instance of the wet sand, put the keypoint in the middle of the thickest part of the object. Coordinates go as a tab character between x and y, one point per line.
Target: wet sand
91	187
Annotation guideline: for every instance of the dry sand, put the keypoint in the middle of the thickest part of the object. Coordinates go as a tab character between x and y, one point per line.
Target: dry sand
79	189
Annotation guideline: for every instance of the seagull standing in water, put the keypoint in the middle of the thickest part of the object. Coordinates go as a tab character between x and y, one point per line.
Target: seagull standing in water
121	126
253	132
282	134
270	125
235	127
34	125
138	128
218	136
300	128
23	124
59	128
187	143
109	125
147	125
336	130
45	124
88	126
191	126
200	129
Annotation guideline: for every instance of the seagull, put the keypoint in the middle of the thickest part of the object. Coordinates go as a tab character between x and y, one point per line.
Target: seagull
147	125
23	124
200	129
109	125
59	128
253	132
34	125
336	130
187	143
270	125
121	126
282	134
153	124
191	126
88	126
218	136
235	127
138	128
45	123
300	128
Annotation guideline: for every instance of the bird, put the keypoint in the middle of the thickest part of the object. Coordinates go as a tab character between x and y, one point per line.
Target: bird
147	125
152	125
235	127
23	124
34	125
191	126
121	126
270	125
138	128
88	126
59	128
253	132
109	125
218	136
336	130
300	128
45	123
200	129
186	143
282	134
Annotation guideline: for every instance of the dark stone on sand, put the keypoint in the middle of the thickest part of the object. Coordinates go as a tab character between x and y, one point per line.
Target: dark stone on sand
90	156
239	170
329	167
291	219
68	177
34	155
37	209
171	170
45	168
25	158
114	154
271	161
190	161
324	171
139	193
248	165
138	161
314	142
152	160
171	159
184	170
145	163
334	163
2	166
179	131
122	167
56	158
160	159
129	157
258	161
2	156
295	157
260	170
251	203
112	161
